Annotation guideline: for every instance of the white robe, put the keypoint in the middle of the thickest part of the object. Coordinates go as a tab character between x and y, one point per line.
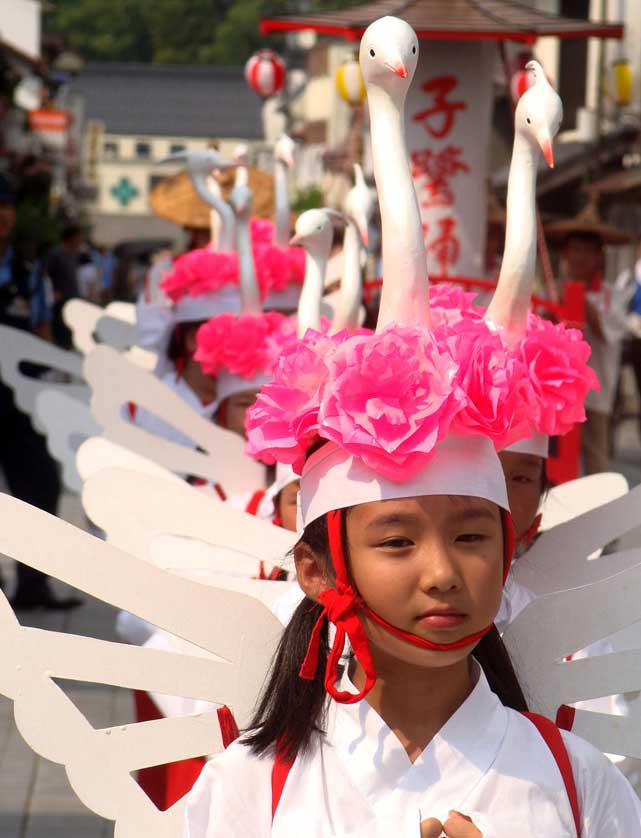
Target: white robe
487	761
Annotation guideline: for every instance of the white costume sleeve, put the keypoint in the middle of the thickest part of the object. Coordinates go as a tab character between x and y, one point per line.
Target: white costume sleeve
232	797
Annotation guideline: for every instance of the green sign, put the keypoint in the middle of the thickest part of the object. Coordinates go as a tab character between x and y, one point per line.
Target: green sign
124	191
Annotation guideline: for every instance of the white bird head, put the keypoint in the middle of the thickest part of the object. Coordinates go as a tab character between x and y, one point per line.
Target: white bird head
241	199
202	161
359	204
389	54
284	150
315	230
539	112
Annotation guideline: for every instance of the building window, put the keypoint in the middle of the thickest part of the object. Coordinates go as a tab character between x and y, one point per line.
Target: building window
143	149
176	148
110	150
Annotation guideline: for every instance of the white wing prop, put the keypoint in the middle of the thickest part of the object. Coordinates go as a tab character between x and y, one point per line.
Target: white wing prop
67	423
18	347
559	559
115	381
579	602
575	497
137	510
224	623
81	317
98	453
117	326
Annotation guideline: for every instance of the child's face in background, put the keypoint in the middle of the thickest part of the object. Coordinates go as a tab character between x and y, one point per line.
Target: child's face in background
524	480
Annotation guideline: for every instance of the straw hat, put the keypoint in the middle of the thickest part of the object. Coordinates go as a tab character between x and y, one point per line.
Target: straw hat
587	221
175	199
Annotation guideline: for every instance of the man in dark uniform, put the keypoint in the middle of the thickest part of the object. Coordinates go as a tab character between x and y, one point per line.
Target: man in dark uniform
29	471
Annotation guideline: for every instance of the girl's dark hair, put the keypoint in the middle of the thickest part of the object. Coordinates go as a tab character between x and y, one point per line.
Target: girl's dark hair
291	710
177	348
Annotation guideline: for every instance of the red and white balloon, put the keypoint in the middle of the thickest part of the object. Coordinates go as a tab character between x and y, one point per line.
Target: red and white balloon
265	73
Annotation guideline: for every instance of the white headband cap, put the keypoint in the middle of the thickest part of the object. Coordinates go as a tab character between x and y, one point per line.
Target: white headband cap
194	309
228	384
461	465
537	444
284	476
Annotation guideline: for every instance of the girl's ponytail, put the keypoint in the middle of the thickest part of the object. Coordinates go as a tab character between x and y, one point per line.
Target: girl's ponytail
291	709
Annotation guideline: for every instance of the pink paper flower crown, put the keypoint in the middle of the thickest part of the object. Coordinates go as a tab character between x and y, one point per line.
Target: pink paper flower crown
388	398
204	271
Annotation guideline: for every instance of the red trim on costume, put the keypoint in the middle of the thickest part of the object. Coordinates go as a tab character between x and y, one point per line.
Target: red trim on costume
132	410
529	535
228	727
553	739
280	773
254	502
565	717
341	606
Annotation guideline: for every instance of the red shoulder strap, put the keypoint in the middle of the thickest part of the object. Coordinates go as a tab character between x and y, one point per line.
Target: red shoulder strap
280	773
553	739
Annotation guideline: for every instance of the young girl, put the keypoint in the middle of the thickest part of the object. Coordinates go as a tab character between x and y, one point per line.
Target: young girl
406	542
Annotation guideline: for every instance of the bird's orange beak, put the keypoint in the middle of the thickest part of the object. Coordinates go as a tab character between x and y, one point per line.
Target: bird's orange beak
546	150
362	229
398	68
295	240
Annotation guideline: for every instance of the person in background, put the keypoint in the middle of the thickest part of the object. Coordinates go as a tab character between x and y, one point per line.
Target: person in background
62	270
29	471
583	240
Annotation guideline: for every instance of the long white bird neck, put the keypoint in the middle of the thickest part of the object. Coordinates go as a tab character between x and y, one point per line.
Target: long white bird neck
404	296
310	297
349	301
227	235
282	206
249	292
214	218
509	307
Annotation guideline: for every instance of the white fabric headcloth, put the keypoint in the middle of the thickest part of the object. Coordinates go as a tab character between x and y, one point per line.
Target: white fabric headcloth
461	465
228	384
537	444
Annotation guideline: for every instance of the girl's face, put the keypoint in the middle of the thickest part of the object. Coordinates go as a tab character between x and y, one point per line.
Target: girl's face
287	503
432	566
524	480
235	408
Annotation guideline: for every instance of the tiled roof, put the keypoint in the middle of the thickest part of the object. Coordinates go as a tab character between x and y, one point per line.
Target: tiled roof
170	100
447	19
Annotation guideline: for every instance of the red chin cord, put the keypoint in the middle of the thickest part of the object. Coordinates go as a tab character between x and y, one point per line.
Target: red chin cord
341	606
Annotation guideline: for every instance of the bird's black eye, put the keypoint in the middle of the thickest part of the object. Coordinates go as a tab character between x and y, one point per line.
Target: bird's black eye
528	120
372	53
414	50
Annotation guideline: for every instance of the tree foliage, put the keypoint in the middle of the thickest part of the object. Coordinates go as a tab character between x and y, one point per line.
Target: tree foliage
169	31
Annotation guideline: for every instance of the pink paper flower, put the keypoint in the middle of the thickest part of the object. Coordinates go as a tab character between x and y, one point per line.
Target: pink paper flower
392	397
491	378
283	422
557	376
199	272
449	304
243	345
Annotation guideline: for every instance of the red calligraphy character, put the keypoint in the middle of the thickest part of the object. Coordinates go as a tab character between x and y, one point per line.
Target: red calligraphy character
438	120
445	247
437	168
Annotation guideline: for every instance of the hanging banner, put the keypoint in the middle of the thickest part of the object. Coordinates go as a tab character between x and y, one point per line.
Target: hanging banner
449	113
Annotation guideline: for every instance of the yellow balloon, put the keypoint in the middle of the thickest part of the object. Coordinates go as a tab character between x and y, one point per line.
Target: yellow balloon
622	82
349	83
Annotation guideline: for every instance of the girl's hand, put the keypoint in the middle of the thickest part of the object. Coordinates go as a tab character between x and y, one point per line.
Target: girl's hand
456	826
